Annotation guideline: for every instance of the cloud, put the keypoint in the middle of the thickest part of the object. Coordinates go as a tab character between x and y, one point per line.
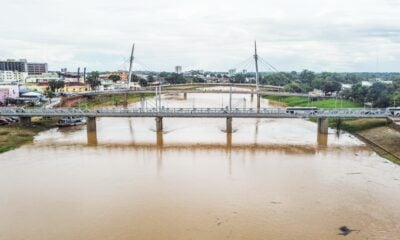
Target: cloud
292	35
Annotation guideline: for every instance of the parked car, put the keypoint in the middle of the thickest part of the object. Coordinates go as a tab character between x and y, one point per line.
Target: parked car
3	122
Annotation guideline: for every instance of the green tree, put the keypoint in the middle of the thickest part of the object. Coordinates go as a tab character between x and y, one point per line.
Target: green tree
135	78
150	78
54	85
143	82
93	80
114	78
379	95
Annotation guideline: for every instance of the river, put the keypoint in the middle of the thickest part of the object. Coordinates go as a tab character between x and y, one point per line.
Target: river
270	179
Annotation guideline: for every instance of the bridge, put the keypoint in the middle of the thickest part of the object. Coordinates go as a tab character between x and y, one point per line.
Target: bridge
228	113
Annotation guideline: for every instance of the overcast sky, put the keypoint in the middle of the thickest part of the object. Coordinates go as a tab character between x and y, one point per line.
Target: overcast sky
320	35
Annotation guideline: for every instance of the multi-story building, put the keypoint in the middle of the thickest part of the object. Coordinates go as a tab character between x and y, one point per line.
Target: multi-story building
12	76
13	65
37	68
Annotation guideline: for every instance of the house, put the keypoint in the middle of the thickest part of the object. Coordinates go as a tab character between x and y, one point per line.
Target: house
71	87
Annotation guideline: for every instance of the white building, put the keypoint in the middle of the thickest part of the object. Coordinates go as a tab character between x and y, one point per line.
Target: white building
12	76
44	77
366	84
8	91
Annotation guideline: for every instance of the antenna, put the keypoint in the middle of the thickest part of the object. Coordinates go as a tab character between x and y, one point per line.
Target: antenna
130	67
256	62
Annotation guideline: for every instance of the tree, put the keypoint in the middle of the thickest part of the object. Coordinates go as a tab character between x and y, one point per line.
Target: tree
93	80
175	78
114	78
306	77
135	78
143	82
293	87
150	78
331	86
54	85
379	95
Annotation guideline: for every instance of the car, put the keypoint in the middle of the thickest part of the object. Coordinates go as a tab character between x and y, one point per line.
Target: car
9	120
3	122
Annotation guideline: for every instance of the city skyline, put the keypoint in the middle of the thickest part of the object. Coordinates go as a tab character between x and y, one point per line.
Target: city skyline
357	36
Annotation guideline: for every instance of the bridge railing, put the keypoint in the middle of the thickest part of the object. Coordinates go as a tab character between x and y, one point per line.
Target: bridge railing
238	112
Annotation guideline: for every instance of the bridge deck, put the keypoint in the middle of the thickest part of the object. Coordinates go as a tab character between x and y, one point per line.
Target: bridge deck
200	113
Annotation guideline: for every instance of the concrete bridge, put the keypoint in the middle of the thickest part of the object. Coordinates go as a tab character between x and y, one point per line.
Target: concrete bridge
228	113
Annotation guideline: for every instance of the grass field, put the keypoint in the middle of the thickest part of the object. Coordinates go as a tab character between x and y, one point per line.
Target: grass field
305	102
112	100
13	136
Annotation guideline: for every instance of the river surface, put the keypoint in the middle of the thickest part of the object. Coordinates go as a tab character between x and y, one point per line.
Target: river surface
270	179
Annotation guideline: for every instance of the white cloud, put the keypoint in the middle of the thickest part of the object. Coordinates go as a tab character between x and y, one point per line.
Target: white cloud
319	35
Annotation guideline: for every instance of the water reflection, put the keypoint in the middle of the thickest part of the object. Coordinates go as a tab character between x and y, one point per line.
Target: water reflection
270	179
322	140
92	138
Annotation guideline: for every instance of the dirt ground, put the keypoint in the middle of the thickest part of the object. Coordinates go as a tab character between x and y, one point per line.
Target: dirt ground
385	137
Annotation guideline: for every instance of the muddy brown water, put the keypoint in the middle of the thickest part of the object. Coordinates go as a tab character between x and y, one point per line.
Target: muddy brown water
270	179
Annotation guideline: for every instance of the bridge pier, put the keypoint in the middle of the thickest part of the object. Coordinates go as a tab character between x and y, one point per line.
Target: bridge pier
25	121
323	125
159	124
258	101
91	130
229	125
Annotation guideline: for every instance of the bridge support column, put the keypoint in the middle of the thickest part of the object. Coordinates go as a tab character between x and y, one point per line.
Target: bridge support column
229	125
323	125
258	101
159	124
25	121
91	130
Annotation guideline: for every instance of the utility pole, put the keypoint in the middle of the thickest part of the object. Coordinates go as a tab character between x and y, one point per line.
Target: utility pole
256	62
130	67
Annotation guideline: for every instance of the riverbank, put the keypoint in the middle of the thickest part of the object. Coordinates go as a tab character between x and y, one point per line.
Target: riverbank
384	140
106	101
305	102
13	136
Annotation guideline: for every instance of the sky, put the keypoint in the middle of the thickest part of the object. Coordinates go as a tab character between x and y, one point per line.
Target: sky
216	35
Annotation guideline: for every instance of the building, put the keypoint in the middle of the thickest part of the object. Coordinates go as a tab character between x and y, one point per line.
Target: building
44	77
71	87
14	66
366	84
37	68
178	69
8	91
12	76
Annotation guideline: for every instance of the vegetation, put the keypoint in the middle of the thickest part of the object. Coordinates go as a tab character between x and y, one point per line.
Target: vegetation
114	78
379	94
54	85
362	124
305	102
14	136
112	100
93	80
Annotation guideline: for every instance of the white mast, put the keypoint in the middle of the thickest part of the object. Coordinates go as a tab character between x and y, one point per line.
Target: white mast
130	67
256	61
